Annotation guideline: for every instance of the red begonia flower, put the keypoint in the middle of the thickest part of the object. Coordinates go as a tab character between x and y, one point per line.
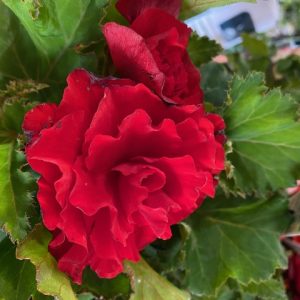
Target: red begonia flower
153	51
117	168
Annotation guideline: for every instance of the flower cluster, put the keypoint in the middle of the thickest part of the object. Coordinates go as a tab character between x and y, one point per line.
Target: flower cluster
121	160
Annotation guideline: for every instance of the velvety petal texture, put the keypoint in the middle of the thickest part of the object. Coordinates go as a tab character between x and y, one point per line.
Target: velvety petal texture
118	167
153	51
131	9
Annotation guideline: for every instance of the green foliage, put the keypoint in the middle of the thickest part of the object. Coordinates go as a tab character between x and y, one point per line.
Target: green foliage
148	285
2	235
254	54
58	25
16	277
288	71
53	29
290	12
271	289
38	296
259	54
165	255
17	90
16	183
86	296
107	288
235	238
15	198
11	119
265	135
255	47
210	74
202	49
50	281
229	249
18	56
267	290
191	8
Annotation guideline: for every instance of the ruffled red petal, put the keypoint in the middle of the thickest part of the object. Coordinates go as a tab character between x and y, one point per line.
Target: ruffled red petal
118	167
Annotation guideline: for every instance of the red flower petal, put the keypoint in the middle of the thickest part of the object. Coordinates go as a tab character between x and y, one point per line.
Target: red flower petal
131	9
160	23
39	118
154	53
49	206
132	57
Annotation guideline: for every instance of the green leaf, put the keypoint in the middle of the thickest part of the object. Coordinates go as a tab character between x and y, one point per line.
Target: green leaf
15	198
52	30
15	103
16	277
38	296
111	14
258	52
212	73
148	285
191	8
2	235
271	289
107	288
11	119
58	24
50	281
288	71
202	49
86	296
234	238
238	63
265	135
225	294
255	47
18	55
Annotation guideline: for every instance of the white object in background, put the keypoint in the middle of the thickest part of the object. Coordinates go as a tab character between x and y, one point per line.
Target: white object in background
225	24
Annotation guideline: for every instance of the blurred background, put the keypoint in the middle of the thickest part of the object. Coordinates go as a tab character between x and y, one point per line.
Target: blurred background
278	20
262	36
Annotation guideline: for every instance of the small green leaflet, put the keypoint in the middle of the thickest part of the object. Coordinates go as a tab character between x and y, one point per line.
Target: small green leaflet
191	8
50	281
235	238
14	192
210	74
148	285
265	135
16	277
202	49
259	53
254	46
